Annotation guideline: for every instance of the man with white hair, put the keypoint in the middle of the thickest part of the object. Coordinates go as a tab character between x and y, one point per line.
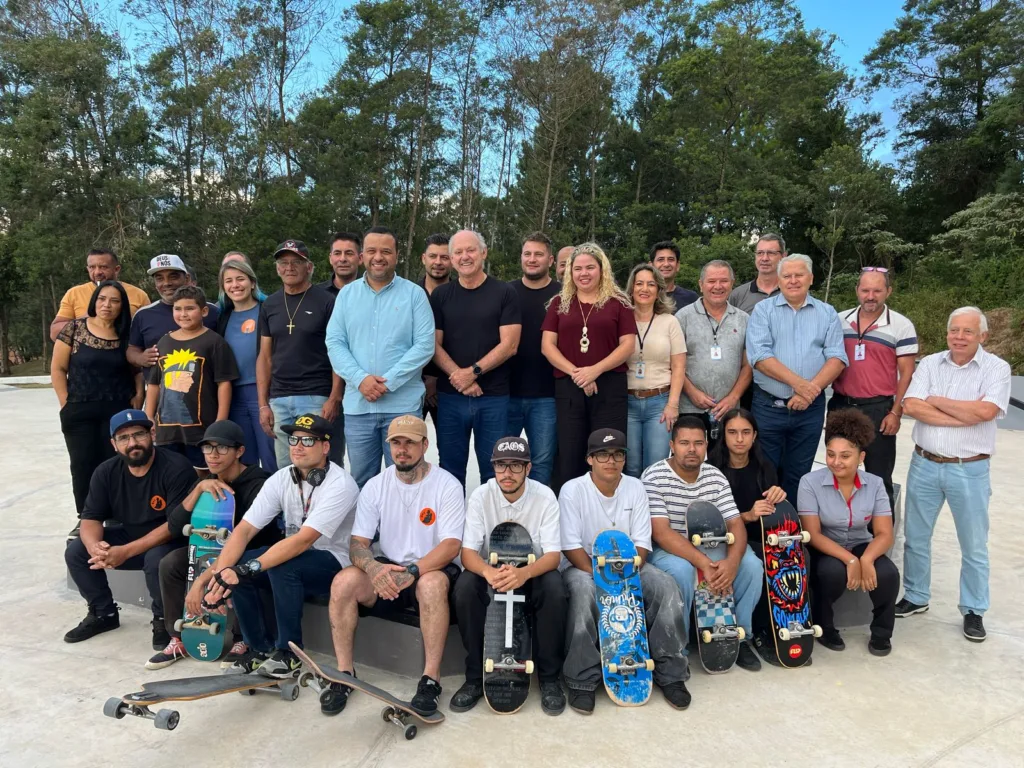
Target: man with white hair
795	345
955	396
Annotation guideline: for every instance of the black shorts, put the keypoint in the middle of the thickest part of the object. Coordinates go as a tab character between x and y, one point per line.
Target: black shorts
406	605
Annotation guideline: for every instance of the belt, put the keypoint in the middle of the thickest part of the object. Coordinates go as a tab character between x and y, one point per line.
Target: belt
863	400
947	459
644	393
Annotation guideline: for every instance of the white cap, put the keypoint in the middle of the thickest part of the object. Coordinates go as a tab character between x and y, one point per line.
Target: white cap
166	261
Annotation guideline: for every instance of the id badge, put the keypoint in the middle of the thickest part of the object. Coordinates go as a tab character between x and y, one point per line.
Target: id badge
858	351
639	369
716	352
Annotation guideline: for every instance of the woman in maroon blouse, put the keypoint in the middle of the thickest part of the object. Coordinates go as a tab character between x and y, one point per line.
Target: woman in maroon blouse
589	333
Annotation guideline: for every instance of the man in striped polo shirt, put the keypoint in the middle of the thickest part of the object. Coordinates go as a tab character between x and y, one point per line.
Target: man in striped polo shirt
673	484
956	396
881	345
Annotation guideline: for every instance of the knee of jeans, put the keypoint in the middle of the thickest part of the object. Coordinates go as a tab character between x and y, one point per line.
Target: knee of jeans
680	569
75	552
658	584
751	566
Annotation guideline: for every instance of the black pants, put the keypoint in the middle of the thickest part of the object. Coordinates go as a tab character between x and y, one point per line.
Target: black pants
828	582
545	596
93	584
880	455
579	415
86	428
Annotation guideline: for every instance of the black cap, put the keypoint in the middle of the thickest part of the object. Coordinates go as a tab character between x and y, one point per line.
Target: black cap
511	449
312	423
606	440
224	432
292	246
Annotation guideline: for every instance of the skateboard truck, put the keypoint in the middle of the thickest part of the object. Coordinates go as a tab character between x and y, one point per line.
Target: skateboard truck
529	559
723	632
798	630
775	539
627	666
712	541
603	560
164	719
197	622
508	663
220	535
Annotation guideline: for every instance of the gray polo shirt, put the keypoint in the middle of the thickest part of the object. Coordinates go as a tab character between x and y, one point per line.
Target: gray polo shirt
714	378
846	523
747	296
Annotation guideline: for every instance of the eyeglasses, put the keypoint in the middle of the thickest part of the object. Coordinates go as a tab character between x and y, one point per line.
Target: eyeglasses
515	467
603	457
767	253
308	442
124	439
220	450
883	270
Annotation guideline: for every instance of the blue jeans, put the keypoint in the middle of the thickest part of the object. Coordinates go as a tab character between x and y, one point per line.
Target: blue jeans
789	439
457	416
287	409
537	415
646	437
366	436
746	587
245	412
966	488
306	575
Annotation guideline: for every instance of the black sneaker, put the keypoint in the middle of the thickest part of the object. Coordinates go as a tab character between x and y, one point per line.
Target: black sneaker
428	691
879	647
73	533
974	630
582	701
466	697
747	659
334	697
552	699
93	625
161	637
174	651
906	608
676	694
247	664
238	651
281	664
832	640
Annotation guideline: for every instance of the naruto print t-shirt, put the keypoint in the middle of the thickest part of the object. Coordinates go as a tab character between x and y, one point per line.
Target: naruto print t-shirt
188	373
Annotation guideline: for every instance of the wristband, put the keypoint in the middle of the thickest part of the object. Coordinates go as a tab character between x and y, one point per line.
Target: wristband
265	406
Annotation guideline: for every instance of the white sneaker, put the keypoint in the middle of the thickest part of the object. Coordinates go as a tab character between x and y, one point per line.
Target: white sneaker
173	651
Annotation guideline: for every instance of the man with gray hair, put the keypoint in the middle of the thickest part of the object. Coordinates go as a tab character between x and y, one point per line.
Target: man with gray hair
717	371
770	249
955	396
795	344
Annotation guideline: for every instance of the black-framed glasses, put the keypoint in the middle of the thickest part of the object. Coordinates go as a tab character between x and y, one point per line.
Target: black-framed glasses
883	270
125	438
603	457
306	440
220	450
515	467
767	253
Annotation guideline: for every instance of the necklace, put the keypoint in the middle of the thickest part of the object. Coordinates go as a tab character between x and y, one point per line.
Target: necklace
291	315
584	339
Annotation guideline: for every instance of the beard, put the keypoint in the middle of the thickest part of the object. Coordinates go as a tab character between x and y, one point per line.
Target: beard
400	467
133	459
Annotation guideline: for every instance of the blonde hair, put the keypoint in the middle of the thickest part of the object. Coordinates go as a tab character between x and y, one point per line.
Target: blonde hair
663	304
607	289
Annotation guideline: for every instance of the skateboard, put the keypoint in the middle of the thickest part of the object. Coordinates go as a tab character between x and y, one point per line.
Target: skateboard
206	635
714	615
788	633
507	641
189	689
626	662
317	677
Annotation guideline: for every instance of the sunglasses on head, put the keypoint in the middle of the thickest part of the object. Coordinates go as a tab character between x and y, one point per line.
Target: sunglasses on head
883	270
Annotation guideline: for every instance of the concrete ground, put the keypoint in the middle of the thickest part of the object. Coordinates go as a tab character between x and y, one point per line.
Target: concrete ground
936	701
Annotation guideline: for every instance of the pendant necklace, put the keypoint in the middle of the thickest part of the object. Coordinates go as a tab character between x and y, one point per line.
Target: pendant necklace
584	340
291	315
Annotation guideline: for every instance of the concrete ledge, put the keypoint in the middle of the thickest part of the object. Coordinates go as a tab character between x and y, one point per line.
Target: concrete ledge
22	380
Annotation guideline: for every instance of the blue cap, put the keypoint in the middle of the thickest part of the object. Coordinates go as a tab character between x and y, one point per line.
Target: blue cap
127	418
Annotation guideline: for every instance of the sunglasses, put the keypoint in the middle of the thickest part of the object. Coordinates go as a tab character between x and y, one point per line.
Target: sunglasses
883	270
306	441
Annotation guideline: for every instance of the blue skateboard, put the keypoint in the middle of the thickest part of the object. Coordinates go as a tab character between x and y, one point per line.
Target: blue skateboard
626	662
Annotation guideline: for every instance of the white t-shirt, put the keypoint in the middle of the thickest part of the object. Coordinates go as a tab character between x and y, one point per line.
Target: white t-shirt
584	512
536	510
330	511
412	519
670	496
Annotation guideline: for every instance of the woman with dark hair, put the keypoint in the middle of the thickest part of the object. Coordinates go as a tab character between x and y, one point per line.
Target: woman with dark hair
840	506
752	477
94	380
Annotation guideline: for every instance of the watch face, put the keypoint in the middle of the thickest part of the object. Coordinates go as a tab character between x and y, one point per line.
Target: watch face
253	566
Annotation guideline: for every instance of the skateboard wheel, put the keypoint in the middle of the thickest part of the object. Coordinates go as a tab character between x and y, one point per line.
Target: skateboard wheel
772	539
601	561
741	633
730	538
531	559
166	720
178	624
649	664
410	732
613	668
305	679
186	529
324	695
637	562
695	539
289	691
805	536
222	535
213	628
488	665
112	708
816	629
248	692
784	635
493	558
529	667
387	713
705	636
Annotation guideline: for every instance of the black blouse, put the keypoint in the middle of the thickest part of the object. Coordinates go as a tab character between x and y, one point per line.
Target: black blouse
746	490
98	368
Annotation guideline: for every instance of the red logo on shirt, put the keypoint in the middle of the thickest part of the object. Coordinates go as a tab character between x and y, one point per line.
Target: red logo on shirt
158	503
428	516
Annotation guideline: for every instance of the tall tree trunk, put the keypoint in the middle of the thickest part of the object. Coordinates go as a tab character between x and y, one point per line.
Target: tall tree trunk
282	68
419	151
5	344
551	172
45	325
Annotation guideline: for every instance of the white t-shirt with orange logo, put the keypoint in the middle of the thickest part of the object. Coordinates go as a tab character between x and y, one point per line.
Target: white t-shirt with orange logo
412	519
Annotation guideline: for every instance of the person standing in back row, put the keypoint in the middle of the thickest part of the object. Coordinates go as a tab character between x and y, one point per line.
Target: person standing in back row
768	252
665	258
102	265
437	268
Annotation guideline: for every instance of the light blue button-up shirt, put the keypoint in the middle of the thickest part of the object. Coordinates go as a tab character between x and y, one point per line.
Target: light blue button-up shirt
387	333
802	339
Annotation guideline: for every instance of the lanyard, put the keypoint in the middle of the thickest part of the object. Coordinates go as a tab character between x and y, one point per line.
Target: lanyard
714	328
306	501
862	331
641	338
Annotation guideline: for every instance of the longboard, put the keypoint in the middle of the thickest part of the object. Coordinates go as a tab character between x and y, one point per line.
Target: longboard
714	615
189	689
626	662
507	642
206	635
317	676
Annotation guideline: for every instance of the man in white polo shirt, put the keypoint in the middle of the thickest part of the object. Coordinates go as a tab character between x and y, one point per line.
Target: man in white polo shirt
419	511
601	499
511	496
673	484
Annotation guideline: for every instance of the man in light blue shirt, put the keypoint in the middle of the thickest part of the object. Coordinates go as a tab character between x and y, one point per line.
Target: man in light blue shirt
379	338
795	345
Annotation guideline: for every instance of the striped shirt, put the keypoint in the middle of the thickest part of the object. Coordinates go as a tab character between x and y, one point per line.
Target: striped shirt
668	495
984	377
891	336
802	340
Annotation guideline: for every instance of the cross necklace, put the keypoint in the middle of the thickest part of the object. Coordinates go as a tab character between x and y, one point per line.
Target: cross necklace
291	315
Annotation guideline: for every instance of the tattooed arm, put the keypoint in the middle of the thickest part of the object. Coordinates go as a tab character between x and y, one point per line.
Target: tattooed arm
387	579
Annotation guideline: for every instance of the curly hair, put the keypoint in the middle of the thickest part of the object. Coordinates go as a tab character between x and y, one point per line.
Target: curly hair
851	425
663	304
607	288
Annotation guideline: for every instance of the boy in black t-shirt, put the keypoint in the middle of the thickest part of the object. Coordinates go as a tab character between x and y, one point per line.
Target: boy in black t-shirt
190	385
134	488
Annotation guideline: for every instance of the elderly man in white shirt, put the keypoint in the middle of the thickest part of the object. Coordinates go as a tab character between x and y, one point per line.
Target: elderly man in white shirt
955	396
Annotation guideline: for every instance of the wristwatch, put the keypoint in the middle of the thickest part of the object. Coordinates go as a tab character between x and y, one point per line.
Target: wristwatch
251	568
414	570
477	370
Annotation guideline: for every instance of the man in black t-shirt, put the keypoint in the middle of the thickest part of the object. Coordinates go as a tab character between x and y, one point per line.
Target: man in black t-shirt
134	488
293	371
478	327
437	266
532	379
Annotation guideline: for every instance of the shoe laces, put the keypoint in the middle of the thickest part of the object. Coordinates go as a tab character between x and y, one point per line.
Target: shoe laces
174	648
239	648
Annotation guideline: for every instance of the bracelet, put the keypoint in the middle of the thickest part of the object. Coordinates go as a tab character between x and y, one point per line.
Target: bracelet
265	406
897	415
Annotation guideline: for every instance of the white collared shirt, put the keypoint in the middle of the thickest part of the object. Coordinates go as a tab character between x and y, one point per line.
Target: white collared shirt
585	512
536	510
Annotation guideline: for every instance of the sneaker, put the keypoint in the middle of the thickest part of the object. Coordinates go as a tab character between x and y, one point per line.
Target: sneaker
333	698
747	659
247	664
832	640
170	654
73	533
582	701
282	664
161	637
238	650
879	647
93	625
676	694
552	699
906	608
428	692
466	697
974	630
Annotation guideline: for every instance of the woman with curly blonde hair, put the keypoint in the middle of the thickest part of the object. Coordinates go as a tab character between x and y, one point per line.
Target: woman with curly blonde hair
588	335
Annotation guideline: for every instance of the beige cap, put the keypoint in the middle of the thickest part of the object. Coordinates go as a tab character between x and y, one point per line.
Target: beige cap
412	427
